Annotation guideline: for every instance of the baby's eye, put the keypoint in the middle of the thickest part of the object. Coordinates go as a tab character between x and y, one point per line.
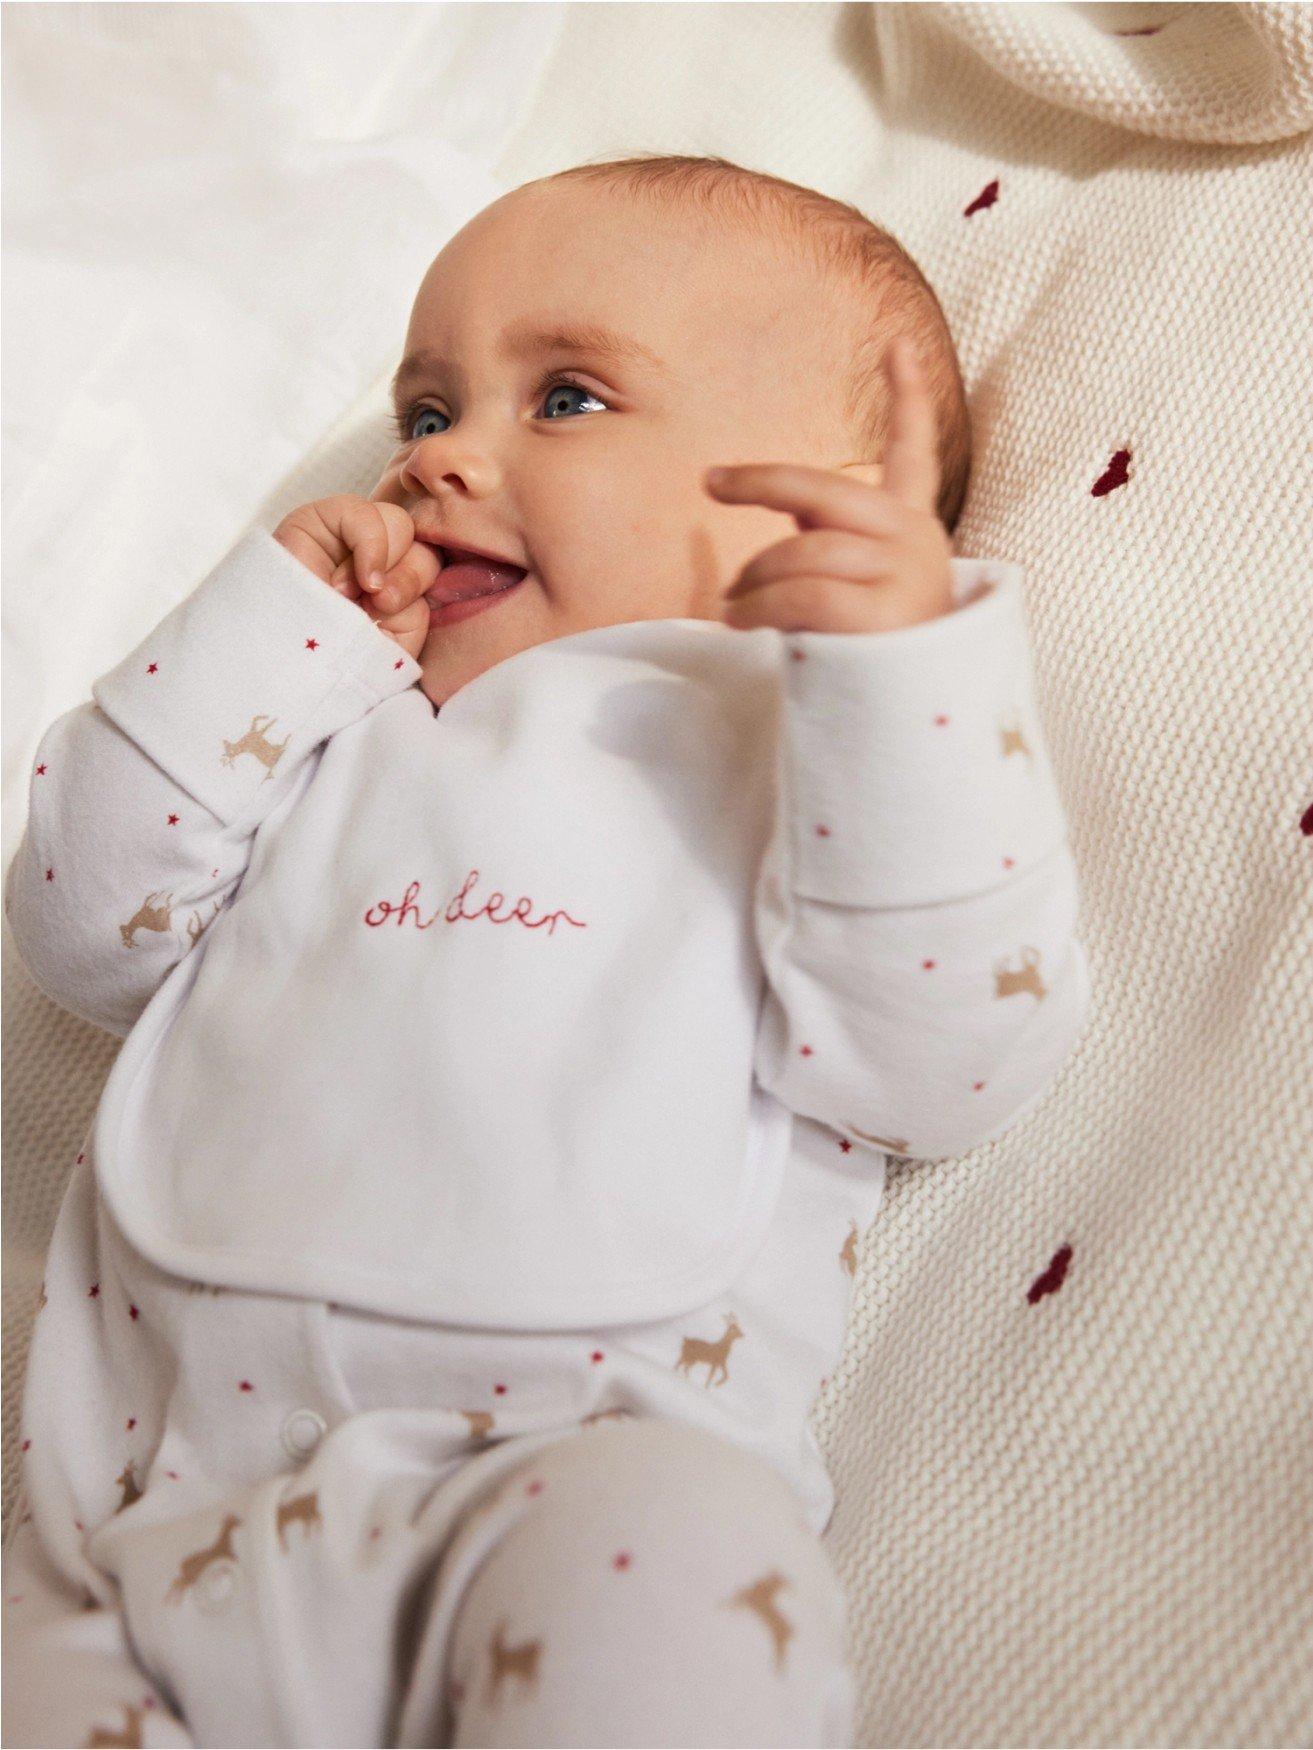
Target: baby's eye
554	384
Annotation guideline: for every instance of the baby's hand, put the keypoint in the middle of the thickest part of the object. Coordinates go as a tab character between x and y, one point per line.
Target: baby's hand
875	557
350	541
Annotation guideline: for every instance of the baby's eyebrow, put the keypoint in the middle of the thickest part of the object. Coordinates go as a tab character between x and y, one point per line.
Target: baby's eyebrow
525	340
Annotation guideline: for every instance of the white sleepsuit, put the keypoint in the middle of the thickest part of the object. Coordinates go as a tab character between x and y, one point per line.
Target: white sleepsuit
469	1220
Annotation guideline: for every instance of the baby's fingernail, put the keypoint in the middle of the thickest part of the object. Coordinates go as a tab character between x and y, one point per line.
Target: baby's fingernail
374	580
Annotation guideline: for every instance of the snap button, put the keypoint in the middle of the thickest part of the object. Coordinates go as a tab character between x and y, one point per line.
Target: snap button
302	1432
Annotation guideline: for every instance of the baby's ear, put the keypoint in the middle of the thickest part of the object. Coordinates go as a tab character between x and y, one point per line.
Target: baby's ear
871	472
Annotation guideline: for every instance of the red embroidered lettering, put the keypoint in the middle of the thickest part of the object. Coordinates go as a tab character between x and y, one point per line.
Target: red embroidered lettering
455	912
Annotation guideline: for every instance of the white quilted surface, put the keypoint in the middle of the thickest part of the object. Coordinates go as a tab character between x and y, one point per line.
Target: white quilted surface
1074	1507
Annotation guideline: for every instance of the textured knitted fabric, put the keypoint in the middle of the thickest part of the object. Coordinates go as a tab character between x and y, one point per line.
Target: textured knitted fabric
1071	1433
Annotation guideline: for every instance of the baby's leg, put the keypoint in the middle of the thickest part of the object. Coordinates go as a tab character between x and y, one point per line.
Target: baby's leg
638	1583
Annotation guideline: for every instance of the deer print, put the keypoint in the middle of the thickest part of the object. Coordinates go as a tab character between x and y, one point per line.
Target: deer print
715	1355
848	1256
204	1288
480	1422
1007	983
193	1566
897	1145
254	742
41	1298
147	917
129	1736
196	929
1012	740
760	1597
304	1508
521	1661
127	1481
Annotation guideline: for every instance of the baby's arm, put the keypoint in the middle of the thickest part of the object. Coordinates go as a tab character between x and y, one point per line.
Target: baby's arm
144	801
917	906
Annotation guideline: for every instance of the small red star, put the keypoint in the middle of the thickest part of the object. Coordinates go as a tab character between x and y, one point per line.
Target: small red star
93	1291
312	644
397	663
245	1385
133	1312
941	720
50	874
1007	862
798	655
78	1161
823	832
151	667
173	820
500	1390
623	1560
535	1487
929	965
79	1525
25	1445
173	1474
40	771
976	1086
214	871
131	1423
376	1531
597	1355
845	1145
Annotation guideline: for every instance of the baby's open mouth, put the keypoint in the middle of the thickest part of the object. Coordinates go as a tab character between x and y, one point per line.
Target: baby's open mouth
466	575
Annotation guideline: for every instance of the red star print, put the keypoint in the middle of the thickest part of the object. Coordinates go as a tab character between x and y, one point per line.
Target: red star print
173	1474
173	820
976	1087
151	667
806	1051
25	1445
93	1291
798	655
622	1560
986	198
822	832
312	644
78	1161
131	1423
535	1487
245	1385
929	965
397	663
941	720
50	874
40	771
1007	862
133	1313
845	1145
500	1390
597	1355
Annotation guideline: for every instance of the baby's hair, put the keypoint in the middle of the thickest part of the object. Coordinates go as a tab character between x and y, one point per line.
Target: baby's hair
867	266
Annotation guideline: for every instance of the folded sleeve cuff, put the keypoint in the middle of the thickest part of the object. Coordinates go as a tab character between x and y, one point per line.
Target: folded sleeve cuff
248	674
913	767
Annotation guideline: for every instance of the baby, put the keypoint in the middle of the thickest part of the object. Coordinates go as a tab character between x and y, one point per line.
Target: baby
535	899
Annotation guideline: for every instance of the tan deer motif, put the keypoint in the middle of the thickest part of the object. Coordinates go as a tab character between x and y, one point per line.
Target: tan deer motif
127	1481
193	1566
897	1145
196	929
521	1661
255	742
848	1255
147	917
603	1416
760	1597
481	1423
697	1350
1011	738
204	1288
41	1298
130	1736
1007	983
302	1508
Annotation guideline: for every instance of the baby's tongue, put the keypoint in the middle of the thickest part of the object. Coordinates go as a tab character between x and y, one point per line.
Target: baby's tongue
469	576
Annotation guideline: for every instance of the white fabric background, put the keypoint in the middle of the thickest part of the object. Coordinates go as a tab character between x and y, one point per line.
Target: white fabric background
1085	1518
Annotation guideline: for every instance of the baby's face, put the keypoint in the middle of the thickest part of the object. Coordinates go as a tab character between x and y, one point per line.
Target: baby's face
587	468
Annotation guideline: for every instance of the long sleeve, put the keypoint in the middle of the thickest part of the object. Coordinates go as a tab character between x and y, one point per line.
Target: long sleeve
916	908
144	801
